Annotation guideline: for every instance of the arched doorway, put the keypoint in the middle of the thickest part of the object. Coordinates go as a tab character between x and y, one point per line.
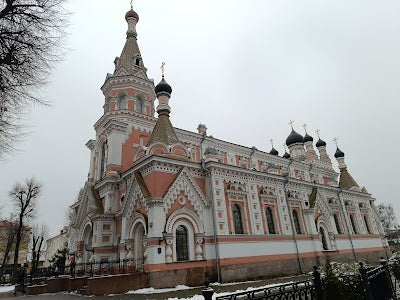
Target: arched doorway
323	238
138	239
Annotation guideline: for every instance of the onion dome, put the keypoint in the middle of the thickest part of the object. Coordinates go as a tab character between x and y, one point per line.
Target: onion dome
163	88
307	138
274	151
320	143
132	14
294	138
286	155
339	153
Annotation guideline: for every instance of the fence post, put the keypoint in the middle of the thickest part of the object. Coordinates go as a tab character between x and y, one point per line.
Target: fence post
317	283
385	265
365	281
207	291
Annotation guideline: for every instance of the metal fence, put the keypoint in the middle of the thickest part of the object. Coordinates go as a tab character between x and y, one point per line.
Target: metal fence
106	268
369	284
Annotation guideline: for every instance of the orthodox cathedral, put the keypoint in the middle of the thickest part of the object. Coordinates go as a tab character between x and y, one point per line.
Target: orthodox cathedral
184	207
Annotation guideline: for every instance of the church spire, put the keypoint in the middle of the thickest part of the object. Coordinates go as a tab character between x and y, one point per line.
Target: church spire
131	60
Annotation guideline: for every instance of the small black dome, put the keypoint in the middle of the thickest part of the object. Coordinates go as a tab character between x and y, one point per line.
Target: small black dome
163	87
274	151
339	153
320	143
294	138
132	14
286	155
307	138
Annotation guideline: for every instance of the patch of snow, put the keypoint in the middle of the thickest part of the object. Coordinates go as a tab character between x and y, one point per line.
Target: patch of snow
200	297
7	288
158	291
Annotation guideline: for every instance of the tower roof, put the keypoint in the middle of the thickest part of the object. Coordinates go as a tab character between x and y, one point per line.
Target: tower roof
339	153
320	143
163	131
294	138
307	138
346	181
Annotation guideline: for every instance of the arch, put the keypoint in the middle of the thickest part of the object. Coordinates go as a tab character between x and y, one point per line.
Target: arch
337	224
158	148
102	160
296	221
87	235
180	150
270	221
140	104
183	222
187	214
132	225
139	153
182	245
237	219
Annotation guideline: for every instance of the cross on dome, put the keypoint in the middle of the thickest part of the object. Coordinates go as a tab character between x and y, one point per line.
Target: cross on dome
272	142
291	124
317	132
131	4
305	127
336	141
162	68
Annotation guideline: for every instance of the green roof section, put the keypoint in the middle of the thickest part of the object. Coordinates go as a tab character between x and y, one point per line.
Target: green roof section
163	131
346	181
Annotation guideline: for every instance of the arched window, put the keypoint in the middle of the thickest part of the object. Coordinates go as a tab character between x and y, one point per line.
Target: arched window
337	223
353	224
367	225
270	221
182	246
323	238
296	221
122	102
140	104
102	159
237	219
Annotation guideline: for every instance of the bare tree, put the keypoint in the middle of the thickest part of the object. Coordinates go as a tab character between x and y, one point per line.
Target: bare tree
39	233
31	35
25	198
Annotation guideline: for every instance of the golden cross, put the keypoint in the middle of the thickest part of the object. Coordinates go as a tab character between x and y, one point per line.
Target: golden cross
291	123
162	68
317	131
305	127
335	140
272	142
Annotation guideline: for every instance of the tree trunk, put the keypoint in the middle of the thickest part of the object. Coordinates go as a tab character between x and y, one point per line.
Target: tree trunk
10	242
16	251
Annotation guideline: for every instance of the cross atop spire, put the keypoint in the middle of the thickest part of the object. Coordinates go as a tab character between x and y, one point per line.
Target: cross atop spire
131	4
336	141
285	147
305	127
272	142
162	68
291	124
317	132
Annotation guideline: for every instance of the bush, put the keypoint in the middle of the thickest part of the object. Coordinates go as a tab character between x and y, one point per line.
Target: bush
394	265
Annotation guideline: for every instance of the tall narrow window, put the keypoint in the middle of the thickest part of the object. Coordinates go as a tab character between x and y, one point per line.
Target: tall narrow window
270	221
353	224
139	105
237	218
102	159
323	238
367	225
337	223
296	221
182	247
122	102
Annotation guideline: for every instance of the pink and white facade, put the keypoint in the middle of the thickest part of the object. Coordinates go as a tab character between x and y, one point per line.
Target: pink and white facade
188	203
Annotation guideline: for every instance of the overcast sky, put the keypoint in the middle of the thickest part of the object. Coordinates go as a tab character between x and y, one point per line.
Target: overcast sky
244	68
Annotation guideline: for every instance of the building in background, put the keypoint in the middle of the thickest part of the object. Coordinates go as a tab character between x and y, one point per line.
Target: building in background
188	207
58	242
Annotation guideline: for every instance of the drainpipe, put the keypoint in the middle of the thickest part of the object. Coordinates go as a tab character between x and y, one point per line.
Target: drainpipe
346	222
290	217
216	245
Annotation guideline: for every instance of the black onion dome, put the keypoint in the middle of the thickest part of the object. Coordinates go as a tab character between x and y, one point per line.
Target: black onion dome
307	138
163	87
294	138
274	152
320	143
286	155
131	14
339	153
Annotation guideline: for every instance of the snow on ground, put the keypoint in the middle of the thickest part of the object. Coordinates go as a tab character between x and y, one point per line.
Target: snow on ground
200	297
6	288
157	291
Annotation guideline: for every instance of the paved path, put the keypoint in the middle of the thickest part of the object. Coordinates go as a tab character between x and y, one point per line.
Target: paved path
166	295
